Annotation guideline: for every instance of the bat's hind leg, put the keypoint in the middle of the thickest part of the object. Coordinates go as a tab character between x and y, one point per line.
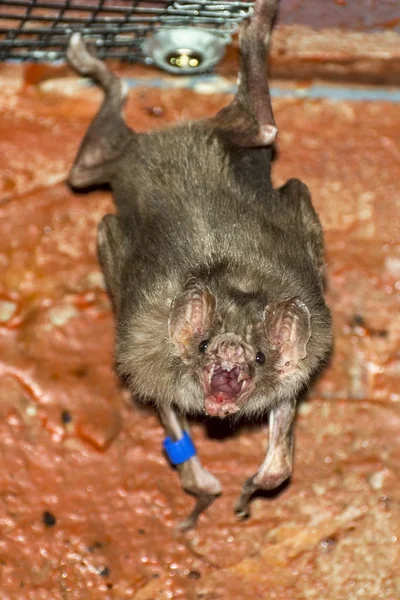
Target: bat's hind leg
194	478
277	465
108	135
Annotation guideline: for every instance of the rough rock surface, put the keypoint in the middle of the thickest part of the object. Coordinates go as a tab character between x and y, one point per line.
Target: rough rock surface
88	503
302	52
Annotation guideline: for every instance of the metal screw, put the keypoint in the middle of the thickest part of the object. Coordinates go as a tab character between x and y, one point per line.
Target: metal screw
184	58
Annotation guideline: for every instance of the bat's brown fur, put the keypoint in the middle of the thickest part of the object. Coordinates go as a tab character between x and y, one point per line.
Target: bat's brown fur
196	202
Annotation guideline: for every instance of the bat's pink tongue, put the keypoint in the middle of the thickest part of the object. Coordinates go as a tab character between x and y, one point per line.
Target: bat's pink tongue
221	397
224	385
223	391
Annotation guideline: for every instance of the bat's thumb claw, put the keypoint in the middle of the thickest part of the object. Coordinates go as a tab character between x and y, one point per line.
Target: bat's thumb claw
267	134
75	39
79	56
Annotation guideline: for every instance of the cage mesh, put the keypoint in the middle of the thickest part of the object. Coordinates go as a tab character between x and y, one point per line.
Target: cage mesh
39	30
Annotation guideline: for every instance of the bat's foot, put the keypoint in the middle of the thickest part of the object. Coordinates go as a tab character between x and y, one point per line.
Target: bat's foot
268	481
201	484
202	503
242	506
242	511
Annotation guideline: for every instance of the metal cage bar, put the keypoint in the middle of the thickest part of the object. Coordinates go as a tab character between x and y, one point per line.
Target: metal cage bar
39	29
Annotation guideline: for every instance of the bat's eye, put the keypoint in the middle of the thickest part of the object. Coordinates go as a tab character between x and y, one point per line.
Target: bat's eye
203	345
260	358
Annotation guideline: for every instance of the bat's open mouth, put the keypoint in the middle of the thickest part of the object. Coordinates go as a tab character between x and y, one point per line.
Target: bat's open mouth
224	389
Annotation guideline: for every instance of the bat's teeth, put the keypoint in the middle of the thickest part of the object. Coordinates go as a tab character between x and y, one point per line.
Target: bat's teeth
211	373
243	376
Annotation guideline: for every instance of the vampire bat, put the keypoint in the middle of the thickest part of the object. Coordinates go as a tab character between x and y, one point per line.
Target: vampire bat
216	278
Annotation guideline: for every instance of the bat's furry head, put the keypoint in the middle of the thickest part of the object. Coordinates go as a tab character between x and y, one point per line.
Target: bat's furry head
217	349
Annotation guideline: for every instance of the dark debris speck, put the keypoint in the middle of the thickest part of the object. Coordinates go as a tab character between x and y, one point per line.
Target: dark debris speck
105	572
95	546
66	416
141	531
328	543
80	372
194	575
358	321
382	333
48	519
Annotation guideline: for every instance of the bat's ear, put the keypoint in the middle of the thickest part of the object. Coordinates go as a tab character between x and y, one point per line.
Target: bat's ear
287	327
111	249
249	121
192	314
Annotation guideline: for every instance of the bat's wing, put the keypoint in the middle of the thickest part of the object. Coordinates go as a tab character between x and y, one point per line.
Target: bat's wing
249	121
108	135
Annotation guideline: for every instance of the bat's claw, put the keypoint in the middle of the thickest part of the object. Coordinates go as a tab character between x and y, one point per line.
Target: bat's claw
187	524
242	506
242	512
202	503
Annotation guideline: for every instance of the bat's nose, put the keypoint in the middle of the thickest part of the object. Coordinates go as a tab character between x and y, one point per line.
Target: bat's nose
231	353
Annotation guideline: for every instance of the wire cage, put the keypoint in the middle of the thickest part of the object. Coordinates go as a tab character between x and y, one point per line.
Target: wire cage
177	35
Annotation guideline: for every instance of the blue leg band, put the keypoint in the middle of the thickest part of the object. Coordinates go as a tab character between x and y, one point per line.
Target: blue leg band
180	451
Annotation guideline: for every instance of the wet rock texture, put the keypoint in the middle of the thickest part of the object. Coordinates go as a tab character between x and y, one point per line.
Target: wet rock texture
329	53
88	503
353	40
346	14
